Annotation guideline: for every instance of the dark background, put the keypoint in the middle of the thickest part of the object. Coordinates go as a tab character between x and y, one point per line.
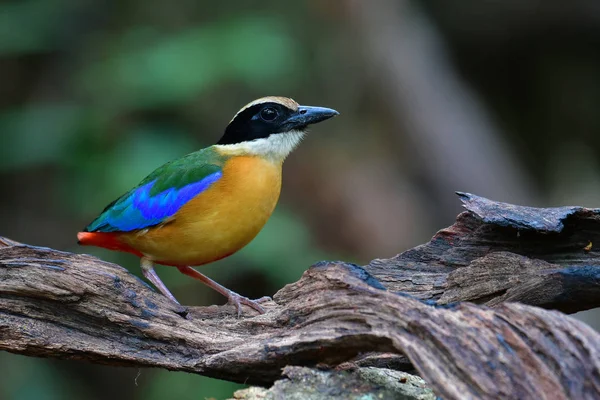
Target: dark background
498	98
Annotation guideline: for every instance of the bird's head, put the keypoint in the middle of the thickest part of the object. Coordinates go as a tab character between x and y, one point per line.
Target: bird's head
270	127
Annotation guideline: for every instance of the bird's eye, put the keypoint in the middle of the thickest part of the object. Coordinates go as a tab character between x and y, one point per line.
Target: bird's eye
269	114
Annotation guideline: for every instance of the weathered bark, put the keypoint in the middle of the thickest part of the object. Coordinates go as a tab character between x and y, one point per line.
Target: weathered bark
63	305
498	252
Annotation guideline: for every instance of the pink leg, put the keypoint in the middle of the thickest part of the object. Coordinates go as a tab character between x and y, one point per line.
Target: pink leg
150	274
232	297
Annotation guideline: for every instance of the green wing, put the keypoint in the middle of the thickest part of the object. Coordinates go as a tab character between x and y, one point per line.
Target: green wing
162	193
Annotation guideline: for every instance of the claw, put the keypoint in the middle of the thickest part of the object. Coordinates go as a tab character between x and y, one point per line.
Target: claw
264	299
236	300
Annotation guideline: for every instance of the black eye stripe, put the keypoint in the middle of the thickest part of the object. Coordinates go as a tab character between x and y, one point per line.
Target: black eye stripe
256	122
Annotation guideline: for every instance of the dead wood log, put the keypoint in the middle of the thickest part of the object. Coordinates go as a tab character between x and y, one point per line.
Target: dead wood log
63	305
498	252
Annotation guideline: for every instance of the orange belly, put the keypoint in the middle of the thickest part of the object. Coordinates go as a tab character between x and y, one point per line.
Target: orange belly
219	221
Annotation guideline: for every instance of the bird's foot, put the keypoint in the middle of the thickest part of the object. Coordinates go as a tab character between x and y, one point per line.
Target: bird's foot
264	299
232	297
236	300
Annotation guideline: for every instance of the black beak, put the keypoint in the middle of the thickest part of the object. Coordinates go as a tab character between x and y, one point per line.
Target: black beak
307	115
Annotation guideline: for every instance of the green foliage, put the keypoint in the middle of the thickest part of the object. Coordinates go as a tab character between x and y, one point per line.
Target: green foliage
30	379
182	386
30	26
37	134
144	68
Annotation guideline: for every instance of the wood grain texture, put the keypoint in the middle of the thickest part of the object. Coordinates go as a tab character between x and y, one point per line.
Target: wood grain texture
497	252
64	305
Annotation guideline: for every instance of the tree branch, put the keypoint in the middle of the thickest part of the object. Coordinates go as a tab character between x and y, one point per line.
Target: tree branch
57	304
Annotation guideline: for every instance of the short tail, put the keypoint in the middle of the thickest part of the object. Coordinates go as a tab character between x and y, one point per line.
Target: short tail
81	236
107	240
89	238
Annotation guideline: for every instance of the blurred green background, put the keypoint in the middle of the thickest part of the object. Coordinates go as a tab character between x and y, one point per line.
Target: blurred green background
498	98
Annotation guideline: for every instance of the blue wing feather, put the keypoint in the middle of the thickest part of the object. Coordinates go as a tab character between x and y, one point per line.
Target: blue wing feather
140	209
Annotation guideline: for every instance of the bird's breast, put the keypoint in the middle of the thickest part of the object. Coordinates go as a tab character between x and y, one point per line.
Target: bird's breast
219	221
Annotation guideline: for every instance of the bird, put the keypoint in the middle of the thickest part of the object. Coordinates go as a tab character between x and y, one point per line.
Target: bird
209	204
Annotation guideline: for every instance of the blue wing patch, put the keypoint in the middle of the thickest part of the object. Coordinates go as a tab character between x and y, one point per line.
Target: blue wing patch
139	210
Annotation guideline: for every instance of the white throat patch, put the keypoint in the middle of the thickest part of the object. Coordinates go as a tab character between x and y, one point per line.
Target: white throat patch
276	147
